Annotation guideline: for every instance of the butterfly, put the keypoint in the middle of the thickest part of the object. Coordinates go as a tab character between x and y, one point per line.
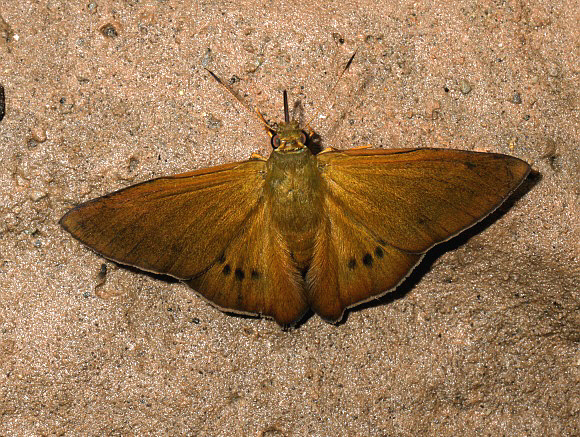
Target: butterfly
300	230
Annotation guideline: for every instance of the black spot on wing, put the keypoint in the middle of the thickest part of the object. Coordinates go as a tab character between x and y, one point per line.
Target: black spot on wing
255	274
352	263
226	270
239	273
367	260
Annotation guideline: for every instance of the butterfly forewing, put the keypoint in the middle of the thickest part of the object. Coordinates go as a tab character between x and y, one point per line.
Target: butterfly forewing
174	225
414	198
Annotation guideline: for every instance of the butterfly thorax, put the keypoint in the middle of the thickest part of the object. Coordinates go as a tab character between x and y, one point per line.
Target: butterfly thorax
294	193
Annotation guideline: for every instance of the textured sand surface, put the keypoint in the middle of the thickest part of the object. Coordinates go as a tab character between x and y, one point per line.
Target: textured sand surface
482	339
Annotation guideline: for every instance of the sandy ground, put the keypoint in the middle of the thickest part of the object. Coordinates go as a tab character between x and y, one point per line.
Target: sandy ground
481	340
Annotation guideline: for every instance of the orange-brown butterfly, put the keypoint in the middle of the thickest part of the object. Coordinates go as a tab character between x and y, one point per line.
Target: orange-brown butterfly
299	230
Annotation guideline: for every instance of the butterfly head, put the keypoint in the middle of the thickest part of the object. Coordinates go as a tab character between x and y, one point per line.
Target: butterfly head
288	137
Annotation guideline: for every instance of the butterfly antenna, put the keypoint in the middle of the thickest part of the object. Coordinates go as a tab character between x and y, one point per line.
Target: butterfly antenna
286	112
331	92
251	110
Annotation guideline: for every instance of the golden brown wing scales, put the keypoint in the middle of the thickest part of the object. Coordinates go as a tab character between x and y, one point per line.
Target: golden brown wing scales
351	265
208	228
385	209
381	211
414	198
255	275
173	225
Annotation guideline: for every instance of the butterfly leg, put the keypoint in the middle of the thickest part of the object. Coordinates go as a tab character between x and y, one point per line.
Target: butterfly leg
257	157
329	149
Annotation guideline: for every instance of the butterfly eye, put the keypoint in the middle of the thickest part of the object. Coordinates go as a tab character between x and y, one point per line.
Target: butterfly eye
275	141
303	137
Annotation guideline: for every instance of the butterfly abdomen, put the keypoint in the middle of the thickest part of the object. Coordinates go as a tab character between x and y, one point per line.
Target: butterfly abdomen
294	194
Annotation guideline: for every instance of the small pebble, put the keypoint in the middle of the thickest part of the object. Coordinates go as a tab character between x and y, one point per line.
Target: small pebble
109	31
36	195
464	87
553	69
38	134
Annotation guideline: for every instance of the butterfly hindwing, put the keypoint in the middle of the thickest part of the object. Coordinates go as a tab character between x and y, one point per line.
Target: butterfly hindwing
388	207
255	274
351	265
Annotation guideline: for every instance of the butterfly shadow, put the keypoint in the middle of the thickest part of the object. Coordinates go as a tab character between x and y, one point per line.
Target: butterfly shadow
454	243
314	140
